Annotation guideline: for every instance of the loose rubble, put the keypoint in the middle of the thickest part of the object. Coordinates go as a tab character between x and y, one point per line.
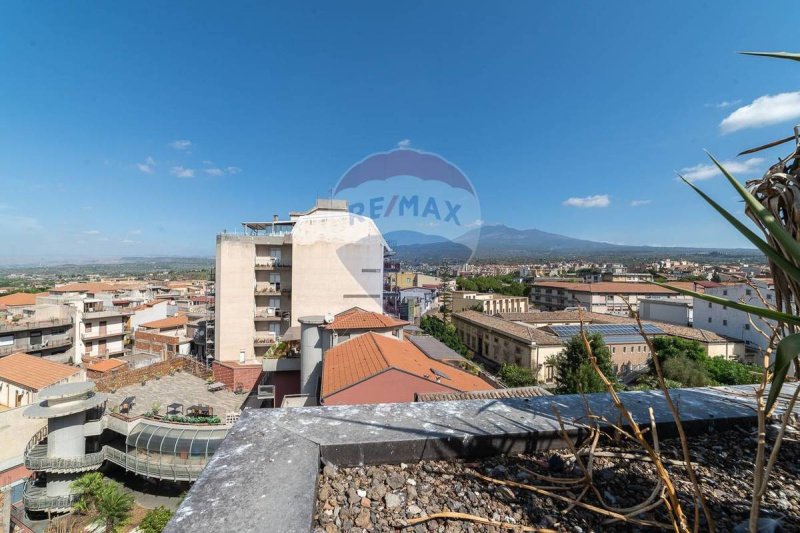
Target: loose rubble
386	497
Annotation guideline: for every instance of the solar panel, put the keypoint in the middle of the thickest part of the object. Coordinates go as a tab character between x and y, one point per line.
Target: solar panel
606	329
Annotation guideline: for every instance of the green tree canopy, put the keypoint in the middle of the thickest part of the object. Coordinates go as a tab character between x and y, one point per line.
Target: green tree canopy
517	376
574	372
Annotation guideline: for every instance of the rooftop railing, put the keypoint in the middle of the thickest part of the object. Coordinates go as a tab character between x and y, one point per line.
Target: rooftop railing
28	347
22	325
36	459
36	499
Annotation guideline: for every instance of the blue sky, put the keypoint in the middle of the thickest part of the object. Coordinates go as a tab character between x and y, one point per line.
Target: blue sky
147	128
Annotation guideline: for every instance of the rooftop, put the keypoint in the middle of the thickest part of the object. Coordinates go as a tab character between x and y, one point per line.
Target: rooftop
357	318
166	323
611	287
522	332
370	354
33	373
92	287
182	388
20	298
106	365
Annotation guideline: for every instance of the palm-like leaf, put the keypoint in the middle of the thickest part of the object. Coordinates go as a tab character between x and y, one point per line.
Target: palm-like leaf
787	350
778	55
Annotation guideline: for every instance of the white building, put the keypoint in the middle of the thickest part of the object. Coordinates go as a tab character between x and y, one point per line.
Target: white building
678	311
733	323
326	260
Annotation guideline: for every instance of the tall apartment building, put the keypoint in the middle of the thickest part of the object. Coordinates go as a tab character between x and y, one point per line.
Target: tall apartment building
325	260
39	329
602	297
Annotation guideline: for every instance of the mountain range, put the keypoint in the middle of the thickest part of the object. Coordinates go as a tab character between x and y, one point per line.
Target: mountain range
503	242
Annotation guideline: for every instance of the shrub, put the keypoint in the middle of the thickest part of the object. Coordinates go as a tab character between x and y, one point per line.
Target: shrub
688	372
517	376
155	520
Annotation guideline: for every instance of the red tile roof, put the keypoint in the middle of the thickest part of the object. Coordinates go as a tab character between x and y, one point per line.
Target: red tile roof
33	373
20	298
371	354
85	287
106	365
611	287
357	318
165	323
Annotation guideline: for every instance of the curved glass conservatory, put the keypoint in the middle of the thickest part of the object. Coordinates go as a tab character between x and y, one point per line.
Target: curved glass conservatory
167	451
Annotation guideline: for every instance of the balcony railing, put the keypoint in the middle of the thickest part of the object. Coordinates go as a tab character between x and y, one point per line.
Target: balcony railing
152	468
102	334
265	339
28	347
36	459
268	288
22	325
36	499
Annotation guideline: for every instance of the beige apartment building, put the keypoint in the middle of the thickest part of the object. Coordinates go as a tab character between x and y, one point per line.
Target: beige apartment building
407	280
322	261
601	297
489	303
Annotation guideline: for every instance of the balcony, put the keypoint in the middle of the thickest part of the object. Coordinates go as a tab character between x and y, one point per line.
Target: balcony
35	498
106	311
271	263
155	465
24	325
267	288
104	353
36	459
31	348
270	314
265	338
104	334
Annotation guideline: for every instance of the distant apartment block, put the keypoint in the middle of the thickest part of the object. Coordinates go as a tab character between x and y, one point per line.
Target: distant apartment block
489	303
733	323
43	330
602	297
407	279
325	260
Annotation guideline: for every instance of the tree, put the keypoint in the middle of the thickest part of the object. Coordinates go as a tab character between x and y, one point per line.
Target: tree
686	362
444	332
667	347
574	372
517	376
155	520
90	486
113	505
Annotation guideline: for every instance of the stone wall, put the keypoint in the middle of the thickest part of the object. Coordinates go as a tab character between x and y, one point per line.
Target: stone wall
132	377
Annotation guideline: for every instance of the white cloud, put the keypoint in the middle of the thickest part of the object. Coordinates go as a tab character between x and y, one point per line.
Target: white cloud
128	241
135	232
637	203
705	171
764	111
214	171
182	172
92	232
233	170
148	167
598	200
181	144
725	103
405	143
208	162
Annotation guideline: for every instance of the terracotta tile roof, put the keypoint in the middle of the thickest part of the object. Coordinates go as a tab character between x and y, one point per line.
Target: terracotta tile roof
357	318
165	323
106	365
33	373
521	332
603	287
84	287
20	298
370	354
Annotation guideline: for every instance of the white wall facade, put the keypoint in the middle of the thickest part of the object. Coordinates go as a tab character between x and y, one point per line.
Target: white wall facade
678	311
733	323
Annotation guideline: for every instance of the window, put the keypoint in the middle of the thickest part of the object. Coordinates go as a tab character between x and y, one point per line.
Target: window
709	305
724	322
624	349
709	320
769	297
639	348
725	292
613	349
748	292
517	350
724	307
747	327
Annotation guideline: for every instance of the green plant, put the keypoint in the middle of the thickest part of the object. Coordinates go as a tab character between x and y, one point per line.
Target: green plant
155	520
113	505
89	485
443	332
574	372
517	376
687	372
155	408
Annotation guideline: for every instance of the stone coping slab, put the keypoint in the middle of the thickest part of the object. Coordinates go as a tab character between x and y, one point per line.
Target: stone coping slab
264	476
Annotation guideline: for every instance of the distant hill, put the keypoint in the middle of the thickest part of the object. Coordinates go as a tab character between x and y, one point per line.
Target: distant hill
503	242
402	238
